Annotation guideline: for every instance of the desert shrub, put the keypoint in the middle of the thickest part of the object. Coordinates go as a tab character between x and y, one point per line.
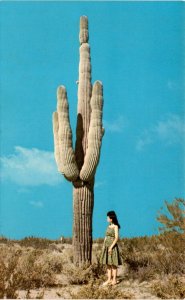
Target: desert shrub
174	219
139	267
67	255
136	242
98	240
94	291
30	241
35	242
3	239
170	257
55	264
97	270
24	271
40	294
168	262
35	272
56	247
172	240
67	240
8	283
2	279
141	243
38	277
156	255
144	274
83	274
170	287
97	248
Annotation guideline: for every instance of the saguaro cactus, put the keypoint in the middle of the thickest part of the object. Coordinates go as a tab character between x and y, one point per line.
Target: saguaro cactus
79	166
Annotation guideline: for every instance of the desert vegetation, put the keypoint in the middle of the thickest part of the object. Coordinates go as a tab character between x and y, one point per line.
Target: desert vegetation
154	267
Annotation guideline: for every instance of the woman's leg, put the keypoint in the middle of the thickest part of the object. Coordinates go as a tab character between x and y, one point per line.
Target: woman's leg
114	271
109	274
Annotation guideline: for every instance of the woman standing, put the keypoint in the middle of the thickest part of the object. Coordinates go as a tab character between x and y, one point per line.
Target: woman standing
110	254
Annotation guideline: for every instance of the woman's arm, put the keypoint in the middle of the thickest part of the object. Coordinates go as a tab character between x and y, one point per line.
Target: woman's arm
104	241
116	236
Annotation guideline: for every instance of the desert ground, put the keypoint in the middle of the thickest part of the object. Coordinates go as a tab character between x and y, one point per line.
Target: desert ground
39	268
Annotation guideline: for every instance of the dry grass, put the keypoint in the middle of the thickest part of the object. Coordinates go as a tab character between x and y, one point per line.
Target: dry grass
172	286
148	256
25	270
82	275
35	263
93	291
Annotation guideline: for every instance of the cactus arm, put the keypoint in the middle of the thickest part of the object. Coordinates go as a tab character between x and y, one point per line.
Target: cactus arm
64	154
95	134
56	142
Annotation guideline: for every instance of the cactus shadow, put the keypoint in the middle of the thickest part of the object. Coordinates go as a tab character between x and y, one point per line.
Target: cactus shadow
79	152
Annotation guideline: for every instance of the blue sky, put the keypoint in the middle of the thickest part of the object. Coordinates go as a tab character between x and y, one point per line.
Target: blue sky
137	52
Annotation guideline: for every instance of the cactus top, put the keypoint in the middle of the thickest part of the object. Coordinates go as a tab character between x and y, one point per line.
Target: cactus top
84	34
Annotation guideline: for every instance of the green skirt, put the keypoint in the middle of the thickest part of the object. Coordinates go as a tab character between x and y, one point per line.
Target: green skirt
113	258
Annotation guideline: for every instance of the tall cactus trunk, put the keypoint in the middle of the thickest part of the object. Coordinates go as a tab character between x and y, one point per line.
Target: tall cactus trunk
79	166
83	203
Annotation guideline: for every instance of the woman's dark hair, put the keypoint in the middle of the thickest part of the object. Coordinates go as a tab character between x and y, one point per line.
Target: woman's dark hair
112	215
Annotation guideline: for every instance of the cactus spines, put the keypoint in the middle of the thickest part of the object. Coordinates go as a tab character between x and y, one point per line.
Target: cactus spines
79	166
